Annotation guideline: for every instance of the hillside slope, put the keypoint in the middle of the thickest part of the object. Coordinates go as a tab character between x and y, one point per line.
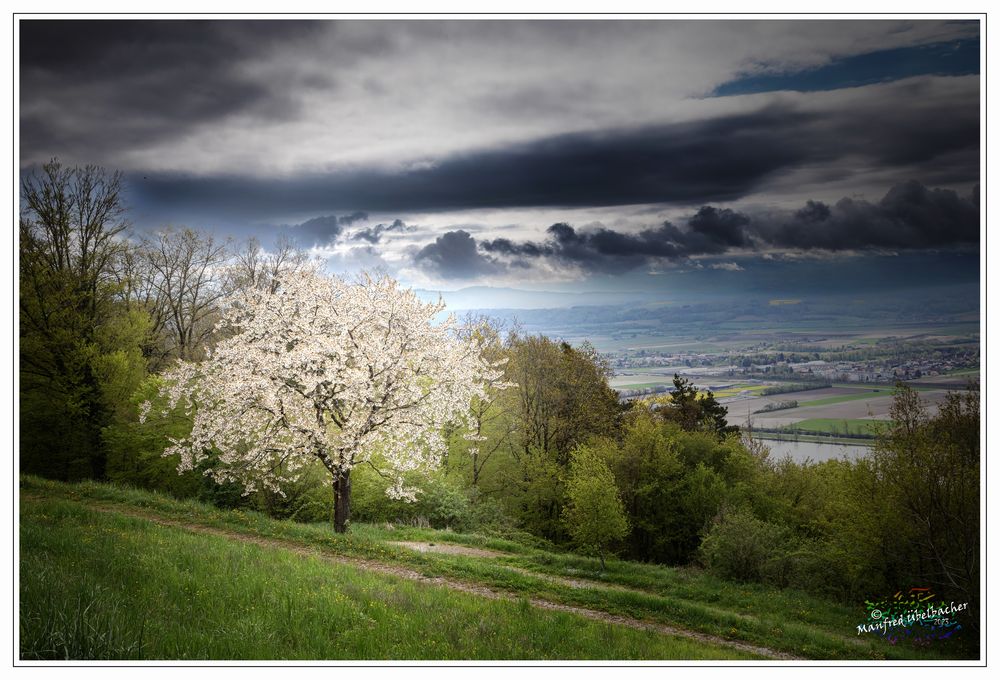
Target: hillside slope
118	573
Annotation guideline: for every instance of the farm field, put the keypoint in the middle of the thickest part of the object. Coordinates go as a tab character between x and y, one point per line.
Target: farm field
739	390
958	379
108	572
740	409
634	379
865	393
832	403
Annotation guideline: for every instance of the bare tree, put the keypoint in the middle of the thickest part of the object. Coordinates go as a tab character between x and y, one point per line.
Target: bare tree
70	232
185	275
180	278
140	290
71	224
253	267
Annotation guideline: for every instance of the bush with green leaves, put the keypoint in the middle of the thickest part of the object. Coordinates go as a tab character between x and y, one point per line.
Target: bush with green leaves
741	547
443	501
135	458
135	450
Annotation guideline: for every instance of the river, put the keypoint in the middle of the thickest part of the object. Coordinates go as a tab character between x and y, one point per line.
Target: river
817	452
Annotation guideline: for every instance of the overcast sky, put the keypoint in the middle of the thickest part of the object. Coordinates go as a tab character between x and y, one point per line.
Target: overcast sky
519	153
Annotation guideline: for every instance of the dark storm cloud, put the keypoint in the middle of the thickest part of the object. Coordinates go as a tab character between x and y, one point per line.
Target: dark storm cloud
606	250
722	159
453	255
909	217
714	160
324	230
130	82
723	226
357	216
504	246
374	234
317	231
90	48
813	211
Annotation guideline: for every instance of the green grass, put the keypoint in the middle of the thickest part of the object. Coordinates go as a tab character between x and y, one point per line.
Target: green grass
739	389
721	394
841	426
642	386
885	388
97	585
869	393
786	620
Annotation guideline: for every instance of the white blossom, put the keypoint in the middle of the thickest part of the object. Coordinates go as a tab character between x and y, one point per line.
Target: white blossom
323	368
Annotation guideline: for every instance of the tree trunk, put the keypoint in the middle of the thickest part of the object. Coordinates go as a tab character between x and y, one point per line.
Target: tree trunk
600	553
95	421
341	501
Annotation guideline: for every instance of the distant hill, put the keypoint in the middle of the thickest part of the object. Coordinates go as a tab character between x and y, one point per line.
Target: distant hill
488	297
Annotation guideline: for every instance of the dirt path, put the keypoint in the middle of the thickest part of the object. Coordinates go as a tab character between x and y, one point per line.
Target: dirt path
446	548
569	582
453	584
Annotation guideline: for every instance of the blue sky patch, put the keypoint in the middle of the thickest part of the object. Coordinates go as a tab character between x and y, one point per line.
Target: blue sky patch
956	58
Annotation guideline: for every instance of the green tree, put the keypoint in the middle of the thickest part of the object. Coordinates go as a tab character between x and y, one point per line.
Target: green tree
929	468
649	472
135	450
562	396
80	342
560	399
489	427
683	407
695	412
594	514
672	483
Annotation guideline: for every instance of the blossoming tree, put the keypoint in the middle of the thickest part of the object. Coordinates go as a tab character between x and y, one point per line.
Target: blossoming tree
348	373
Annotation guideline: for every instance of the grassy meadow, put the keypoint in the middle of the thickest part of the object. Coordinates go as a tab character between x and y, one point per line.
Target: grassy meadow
98	585
117	573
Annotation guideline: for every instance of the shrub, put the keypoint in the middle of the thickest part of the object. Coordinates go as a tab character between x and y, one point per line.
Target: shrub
741	547
444	504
